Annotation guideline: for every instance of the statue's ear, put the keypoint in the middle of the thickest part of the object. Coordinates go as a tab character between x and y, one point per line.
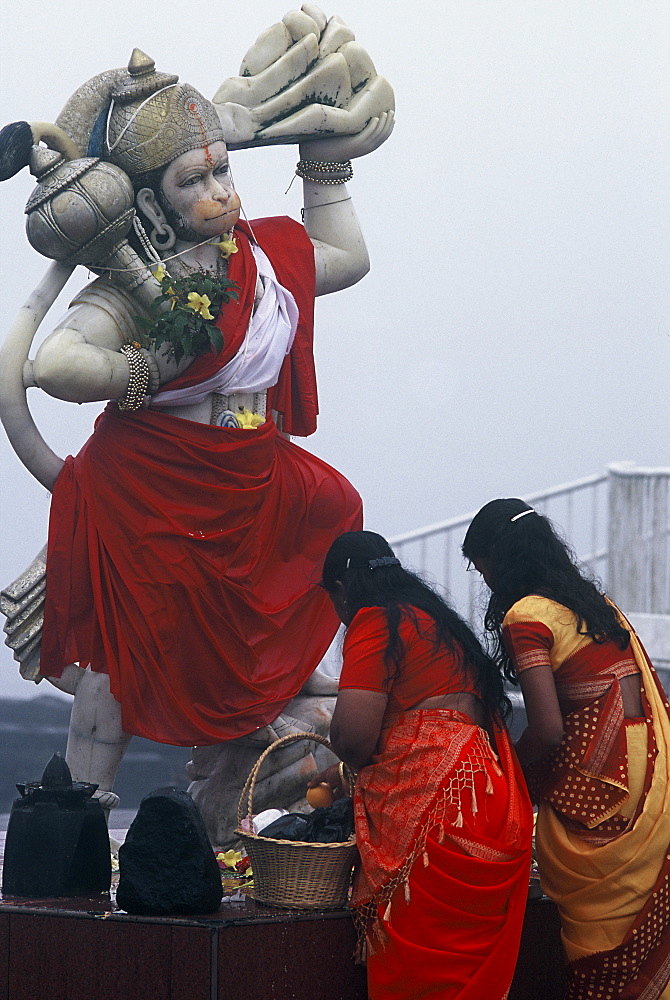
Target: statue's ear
146	201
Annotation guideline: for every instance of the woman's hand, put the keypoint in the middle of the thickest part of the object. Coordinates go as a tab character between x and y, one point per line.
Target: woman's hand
331	776
350	147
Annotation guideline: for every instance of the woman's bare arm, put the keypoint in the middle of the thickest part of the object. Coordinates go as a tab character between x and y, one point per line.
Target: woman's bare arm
545	722
356	725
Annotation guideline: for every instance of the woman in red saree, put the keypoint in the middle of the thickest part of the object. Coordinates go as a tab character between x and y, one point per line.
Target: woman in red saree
443	821
596	753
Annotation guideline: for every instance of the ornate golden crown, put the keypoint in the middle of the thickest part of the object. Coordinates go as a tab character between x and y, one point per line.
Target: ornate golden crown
153	119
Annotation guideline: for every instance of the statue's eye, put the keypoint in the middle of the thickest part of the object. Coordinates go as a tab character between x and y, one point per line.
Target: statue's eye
190	181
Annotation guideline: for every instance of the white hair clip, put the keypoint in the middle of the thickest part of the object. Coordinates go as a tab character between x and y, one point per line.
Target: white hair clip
523	514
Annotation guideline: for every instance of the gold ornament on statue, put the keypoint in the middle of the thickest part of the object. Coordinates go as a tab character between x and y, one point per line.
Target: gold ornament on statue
153	119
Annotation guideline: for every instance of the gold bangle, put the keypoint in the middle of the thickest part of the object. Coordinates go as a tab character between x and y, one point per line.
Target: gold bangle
347	777
138	379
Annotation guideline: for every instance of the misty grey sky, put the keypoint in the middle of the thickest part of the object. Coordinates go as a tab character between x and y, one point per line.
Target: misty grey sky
513	332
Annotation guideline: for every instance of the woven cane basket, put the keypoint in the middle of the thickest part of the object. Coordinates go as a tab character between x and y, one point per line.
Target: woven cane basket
294	874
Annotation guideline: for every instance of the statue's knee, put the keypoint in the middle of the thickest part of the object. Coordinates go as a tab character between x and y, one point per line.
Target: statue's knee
69	680
95	680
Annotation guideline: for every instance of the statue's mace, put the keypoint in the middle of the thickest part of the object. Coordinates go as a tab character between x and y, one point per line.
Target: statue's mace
80	213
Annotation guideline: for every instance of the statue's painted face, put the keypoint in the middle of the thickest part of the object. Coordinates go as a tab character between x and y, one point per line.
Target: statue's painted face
198	191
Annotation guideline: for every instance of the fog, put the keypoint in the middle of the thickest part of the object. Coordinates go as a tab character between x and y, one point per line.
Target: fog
513	331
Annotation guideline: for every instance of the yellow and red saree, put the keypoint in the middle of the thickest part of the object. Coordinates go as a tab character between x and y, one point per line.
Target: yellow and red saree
603	829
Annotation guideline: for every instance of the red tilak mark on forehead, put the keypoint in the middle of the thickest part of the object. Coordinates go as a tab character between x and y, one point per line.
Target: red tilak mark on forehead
209	159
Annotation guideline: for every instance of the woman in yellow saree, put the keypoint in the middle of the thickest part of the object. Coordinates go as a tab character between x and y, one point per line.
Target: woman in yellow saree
596	753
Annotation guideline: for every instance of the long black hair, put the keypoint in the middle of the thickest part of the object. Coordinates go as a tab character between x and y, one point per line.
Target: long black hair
524	554
372	577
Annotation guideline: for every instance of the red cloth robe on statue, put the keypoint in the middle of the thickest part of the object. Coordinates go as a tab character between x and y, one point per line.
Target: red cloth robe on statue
184	558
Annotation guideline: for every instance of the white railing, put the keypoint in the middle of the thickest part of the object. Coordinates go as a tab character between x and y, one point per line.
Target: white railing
618	524
639	538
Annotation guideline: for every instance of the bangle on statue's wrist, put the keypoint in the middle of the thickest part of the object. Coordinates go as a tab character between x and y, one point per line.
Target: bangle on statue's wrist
154	372
325	171
138	377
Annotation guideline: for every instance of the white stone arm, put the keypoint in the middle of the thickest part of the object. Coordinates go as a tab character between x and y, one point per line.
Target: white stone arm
340	253
330	219
80	361
22	432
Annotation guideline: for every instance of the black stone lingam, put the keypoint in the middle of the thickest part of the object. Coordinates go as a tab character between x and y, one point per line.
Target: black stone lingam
166	863
57	841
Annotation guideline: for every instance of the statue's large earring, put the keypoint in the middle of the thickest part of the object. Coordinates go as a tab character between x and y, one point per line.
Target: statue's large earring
163	237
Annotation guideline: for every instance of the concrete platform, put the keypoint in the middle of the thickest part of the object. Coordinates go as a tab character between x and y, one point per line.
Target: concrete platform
87	949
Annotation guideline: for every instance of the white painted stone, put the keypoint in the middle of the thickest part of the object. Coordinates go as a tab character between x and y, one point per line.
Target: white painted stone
300	24
336	34
268	47
276	78
320	119
80	361
237	121
329	80
361	66
252	90
316	14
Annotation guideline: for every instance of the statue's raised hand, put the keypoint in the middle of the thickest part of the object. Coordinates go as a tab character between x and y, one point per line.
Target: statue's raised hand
306	54
349	147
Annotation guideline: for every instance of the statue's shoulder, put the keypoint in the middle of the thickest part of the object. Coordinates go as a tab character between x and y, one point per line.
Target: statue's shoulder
119	303
105	293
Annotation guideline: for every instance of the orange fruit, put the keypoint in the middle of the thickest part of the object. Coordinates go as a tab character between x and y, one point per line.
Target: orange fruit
320	796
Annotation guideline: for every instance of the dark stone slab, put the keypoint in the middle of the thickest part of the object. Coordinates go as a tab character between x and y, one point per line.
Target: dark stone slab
317	963
57	843
167	863
4	956
52	958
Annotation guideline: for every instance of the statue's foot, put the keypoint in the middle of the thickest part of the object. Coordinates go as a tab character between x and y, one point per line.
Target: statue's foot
283	725
286	725
108	800
320	683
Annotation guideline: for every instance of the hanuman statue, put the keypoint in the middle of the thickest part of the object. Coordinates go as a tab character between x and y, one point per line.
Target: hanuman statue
186	536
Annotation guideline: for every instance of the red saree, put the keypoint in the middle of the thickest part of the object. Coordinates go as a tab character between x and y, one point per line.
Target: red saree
444	832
